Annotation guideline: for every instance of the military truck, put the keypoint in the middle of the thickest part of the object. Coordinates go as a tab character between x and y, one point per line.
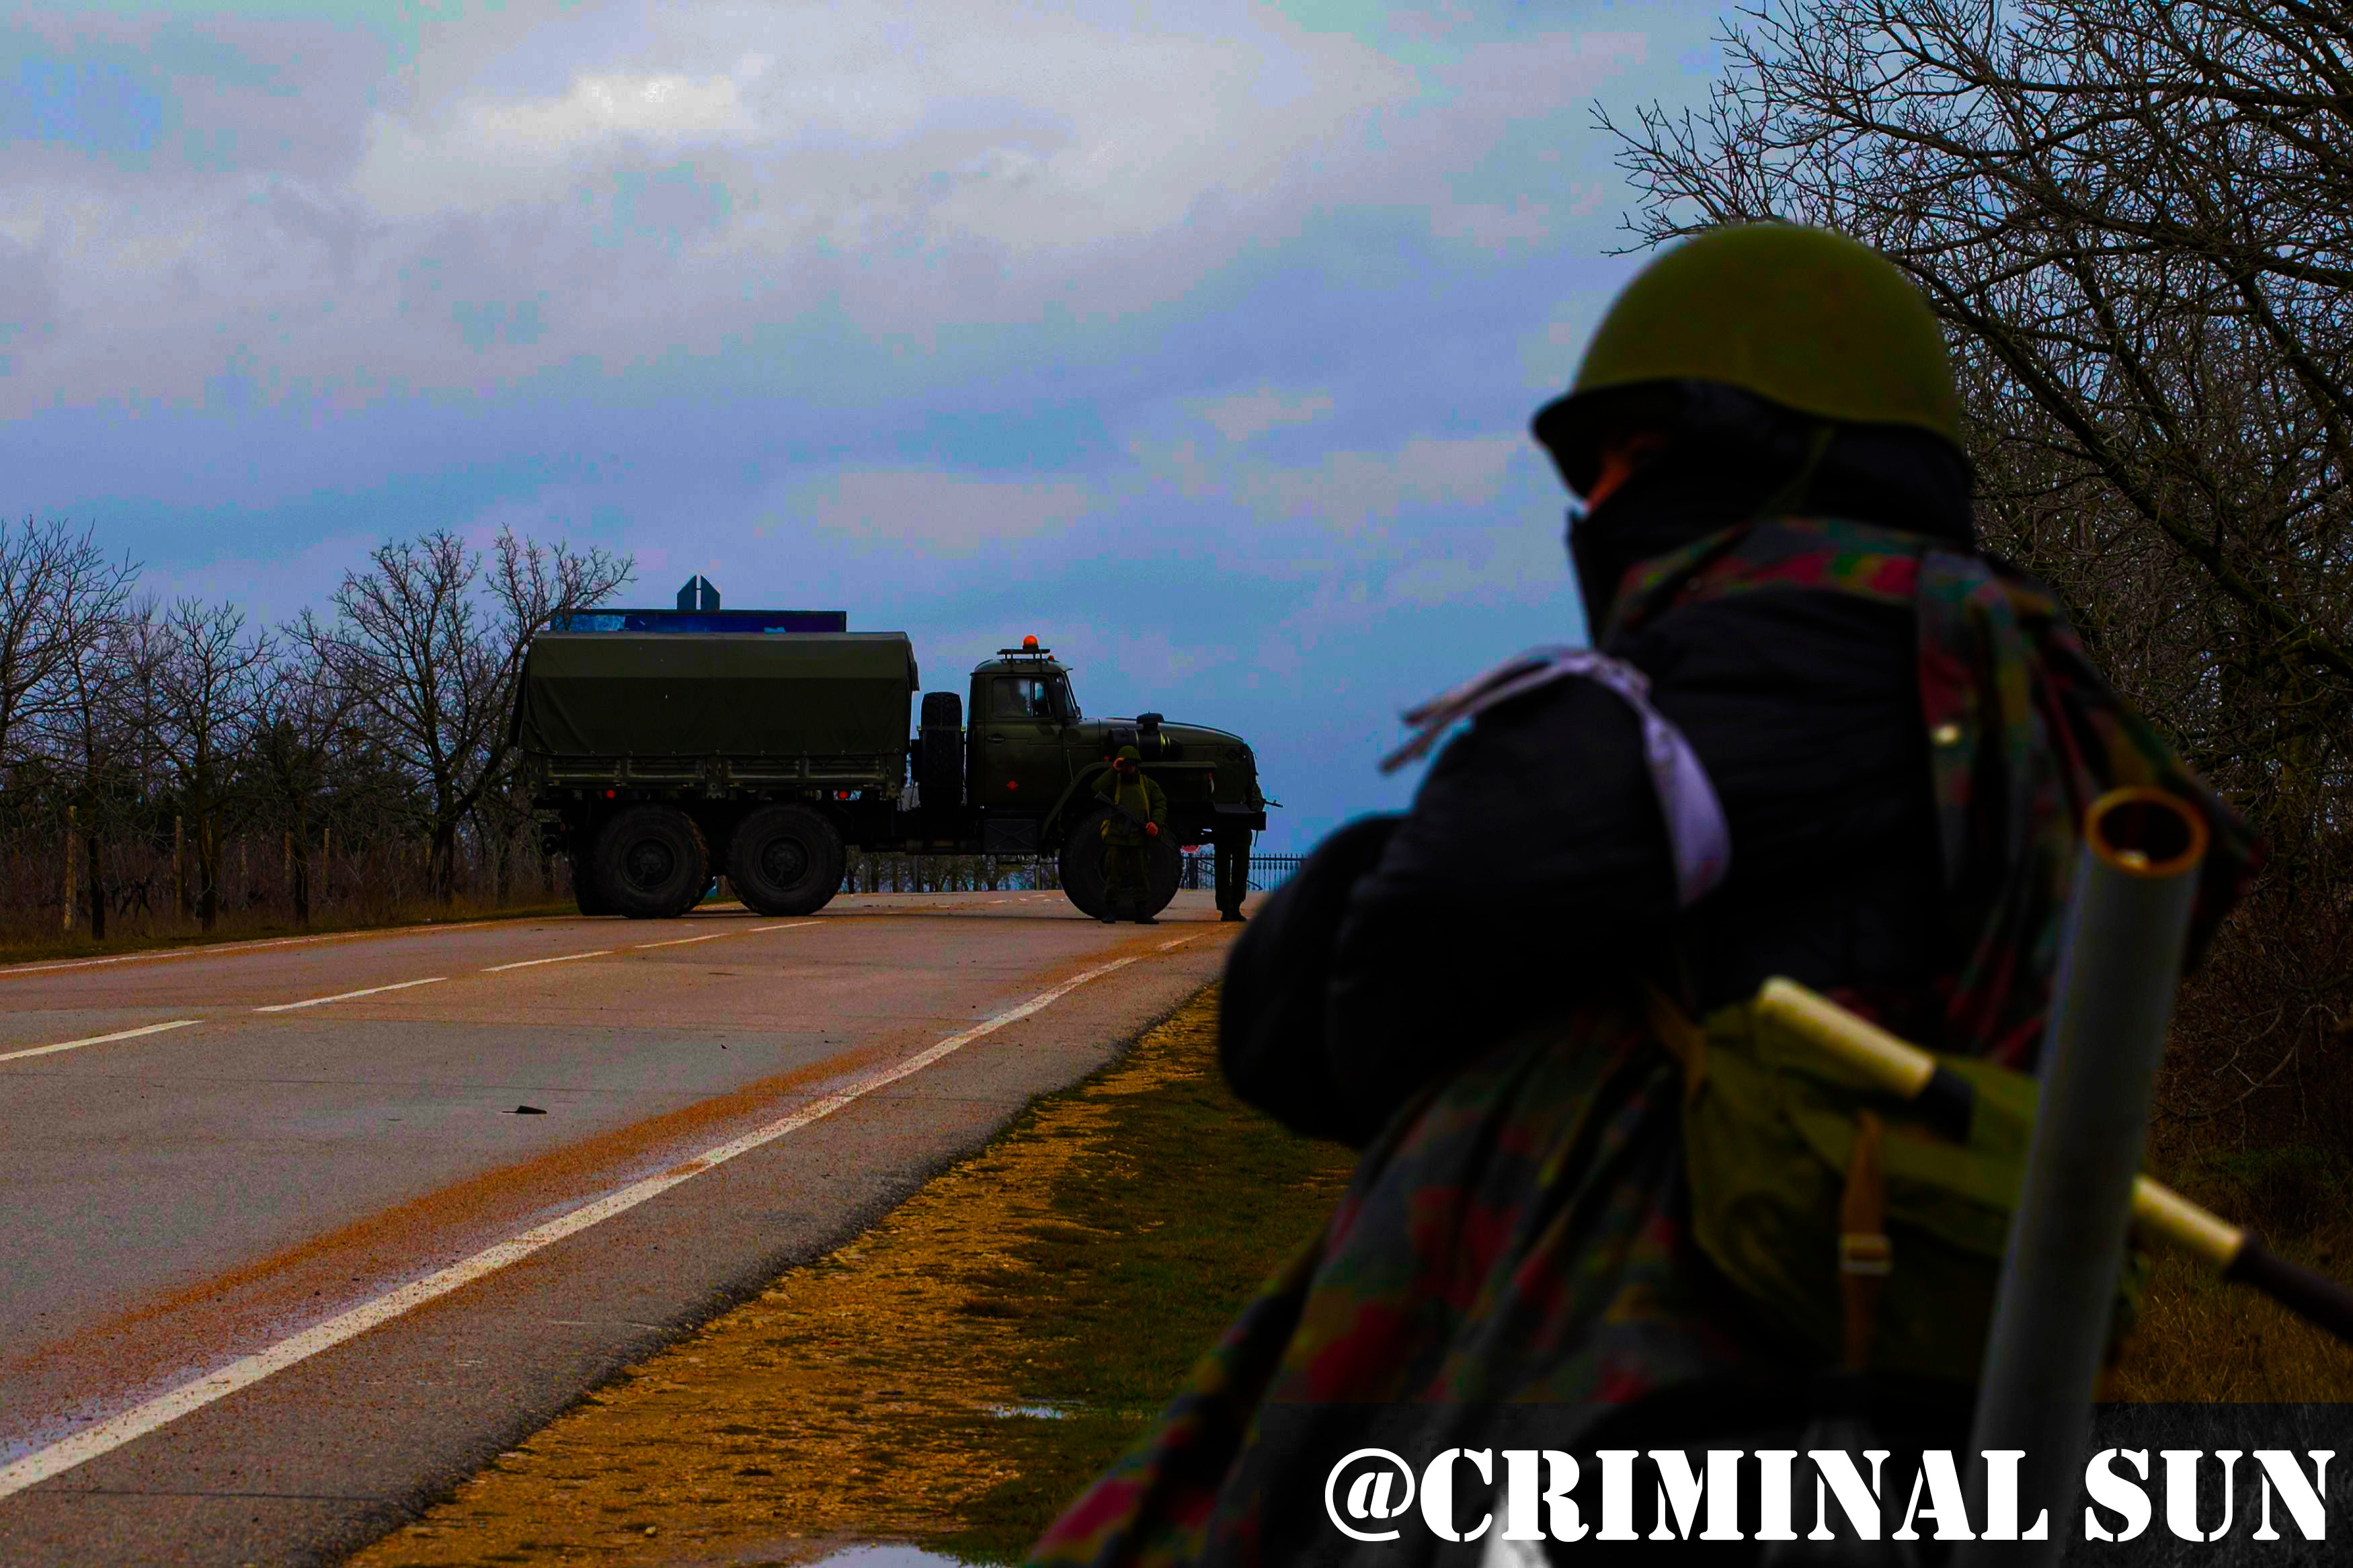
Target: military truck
662	760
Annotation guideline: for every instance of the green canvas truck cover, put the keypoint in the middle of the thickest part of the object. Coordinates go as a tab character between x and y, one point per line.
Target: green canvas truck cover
812	694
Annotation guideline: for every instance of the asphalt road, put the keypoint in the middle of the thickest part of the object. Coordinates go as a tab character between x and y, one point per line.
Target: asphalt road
300	1175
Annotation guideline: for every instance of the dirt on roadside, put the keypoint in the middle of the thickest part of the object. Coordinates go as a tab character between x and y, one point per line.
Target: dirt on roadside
952	1376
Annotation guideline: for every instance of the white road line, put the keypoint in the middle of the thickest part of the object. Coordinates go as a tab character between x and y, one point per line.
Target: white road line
245	1371
714	936
98	1039
1180	942
530	962
347	995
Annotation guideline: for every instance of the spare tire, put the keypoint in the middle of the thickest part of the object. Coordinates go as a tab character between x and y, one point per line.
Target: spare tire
1081	867
939	755
785	860
649	863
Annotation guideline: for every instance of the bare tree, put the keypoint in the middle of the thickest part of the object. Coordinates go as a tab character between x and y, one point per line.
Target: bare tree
103	729
430	647
209	686
2138	221
300	715
58	590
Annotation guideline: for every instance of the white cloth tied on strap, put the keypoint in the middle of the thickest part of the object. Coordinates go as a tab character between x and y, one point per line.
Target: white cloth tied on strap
1697	831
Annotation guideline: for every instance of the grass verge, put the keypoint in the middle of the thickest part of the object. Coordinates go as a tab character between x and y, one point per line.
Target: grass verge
2202	1342
18	947
953	1376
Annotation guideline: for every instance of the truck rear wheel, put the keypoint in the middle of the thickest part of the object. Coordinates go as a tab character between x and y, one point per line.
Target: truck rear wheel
583	887
649	863
785	860
1082	866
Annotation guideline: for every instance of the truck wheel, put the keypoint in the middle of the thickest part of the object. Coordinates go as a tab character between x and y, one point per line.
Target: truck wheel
649	863
785	860
1082	866
584	888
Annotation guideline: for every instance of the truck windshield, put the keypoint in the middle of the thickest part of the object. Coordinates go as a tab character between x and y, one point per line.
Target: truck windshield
1031	697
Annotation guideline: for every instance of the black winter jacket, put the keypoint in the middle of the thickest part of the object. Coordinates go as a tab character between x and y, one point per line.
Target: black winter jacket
1533	868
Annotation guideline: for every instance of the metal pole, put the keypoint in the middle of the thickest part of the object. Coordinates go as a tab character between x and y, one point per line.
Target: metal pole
68	924
2119	960
179	859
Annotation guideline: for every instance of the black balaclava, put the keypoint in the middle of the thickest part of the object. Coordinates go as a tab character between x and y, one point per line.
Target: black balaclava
1730	455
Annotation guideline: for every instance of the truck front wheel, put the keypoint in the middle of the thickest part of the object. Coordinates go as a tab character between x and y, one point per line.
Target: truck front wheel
649	863
785	860
1081	867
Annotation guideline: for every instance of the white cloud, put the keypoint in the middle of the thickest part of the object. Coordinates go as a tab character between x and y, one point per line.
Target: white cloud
1247	415
651	181
930	512
494	154
1493	225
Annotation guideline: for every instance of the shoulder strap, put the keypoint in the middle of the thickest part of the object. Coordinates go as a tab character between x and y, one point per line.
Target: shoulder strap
1697	832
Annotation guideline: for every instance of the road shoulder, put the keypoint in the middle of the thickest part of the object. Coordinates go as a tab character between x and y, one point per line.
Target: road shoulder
950	1376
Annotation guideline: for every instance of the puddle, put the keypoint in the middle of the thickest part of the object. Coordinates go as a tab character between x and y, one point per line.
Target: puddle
893	1556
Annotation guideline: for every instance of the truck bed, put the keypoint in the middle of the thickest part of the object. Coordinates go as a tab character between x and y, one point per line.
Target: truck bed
775	705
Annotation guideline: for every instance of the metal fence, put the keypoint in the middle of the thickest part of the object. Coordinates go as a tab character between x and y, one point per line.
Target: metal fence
1266	871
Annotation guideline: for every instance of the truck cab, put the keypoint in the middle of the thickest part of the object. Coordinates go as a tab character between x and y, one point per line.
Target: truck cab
1033	757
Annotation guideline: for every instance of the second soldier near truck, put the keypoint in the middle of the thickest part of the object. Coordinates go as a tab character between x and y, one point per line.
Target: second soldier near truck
1139	814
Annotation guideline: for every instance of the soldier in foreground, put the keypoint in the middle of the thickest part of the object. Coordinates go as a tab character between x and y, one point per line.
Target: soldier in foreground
1818	735
1139	811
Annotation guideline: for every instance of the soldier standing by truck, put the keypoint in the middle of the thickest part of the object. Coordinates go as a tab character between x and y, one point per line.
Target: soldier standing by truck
1139	811
1232	847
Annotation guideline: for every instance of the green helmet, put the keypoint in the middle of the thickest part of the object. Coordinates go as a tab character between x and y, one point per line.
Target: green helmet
1130	754
1801	317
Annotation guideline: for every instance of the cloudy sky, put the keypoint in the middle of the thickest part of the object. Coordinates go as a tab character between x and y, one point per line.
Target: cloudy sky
1199	339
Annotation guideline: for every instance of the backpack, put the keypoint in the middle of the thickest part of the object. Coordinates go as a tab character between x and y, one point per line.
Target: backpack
1869	1228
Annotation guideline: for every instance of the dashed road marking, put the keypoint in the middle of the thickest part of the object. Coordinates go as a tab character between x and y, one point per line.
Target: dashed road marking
534	962
348	996
107	1436
1180	942
714	936
98	1039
